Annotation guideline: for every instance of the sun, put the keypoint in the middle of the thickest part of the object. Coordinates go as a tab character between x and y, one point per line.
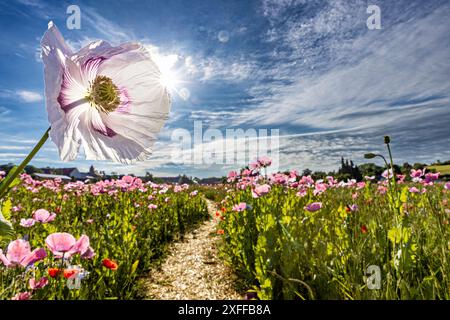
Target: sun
166	63
169	78
170	66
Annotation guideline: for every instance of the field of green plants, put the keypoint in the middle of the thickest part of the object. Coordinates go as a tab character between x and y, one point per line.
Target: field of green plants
89	241
291	237
286	236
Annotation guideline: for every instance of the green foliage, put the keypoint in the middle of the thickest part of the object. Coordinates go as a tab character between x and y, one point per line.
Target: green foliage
6	229
286	252
120	227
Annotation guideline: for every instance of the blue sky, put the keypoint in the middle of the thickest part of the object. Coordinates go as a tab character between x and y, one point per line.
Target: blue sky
311	69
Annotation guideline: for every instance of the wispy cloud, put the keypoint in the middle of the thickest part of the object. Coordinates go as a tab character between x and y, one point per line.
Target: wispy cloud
29	96
401	70
110	30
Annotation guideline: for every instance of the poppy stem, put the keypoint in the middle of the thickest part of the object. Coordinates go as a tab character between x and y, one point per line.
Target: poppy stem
14	172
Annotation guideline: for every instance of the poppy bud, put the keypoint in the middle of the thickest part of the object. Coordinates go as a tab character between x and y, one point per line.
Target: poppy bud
369	155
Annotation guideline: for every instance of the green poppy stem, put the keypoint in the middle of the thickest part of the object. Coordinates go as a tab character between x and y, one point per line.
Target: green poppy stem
10	177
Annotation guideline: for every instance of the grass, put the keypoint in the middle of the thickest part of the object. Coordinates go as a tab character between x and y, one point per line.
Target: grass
443	169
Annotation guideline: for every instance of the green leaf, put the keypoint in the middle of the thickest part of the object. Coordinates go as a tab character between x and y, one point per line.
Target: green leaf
134	266
6	230
13	183
6	209
10	173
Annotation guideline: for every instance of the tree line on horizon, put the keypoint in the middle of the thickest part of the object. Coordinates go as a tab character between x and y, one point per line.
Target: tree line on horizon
347	170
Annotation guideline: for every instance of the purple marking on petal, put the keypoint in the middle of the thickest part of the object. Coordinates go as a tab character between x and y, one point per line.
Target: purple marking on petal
125	101
109	132
91	65
63	99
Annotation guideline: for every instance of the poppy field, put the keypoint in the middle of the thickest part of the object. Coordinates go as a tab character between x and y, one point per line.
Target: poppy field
89	241
290	237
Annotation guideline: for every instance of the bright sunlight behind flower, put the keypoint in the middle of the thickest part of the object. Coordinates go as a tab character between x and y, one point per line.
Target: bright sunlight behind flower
170	77
109	100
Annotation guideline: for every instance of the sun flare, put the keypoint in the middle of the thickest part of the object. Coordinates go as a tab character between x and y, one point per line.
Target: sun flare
166	63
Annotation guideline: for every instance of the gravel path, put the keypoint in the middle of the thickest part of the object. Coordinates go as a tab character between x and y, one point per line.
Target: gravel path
192	269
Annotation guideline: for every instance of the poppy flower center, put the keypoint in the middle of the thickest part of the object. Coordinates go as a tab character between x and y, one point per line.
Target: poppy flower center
103	94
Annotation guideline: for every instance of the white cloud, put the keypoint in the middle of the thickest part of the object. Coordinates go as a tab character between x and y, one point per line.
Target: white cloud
29	96
4	112
13	148
407	64
12	155
110	30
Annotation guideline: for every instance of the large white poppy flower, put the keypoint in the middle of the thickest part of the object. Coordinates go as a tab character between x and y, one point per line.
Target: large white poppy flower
108	99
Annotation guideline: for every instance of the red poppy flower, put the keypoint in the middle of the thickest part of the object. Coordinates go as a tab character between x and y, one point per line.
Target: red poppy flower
364	228
69	273
220	231
54	272
217	214
110	264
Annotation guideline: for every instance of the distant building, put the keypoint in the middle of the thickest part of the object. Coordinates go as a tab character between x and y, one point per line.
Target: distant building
46	176
71	173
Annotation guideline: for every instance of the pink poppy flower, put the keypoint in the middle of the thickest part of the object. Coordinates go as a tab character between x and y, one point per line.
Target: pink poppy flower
260	190
152	206
401	178
447	186
240	207
22	296
360	185
42	215
193	193
307	180
88	254
319	188
110	100
35	285
413	190
265	161
27	223
301	193
64	244
231	176
430	177
20	254
312	207
254	165
387	174
417	173
382	189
